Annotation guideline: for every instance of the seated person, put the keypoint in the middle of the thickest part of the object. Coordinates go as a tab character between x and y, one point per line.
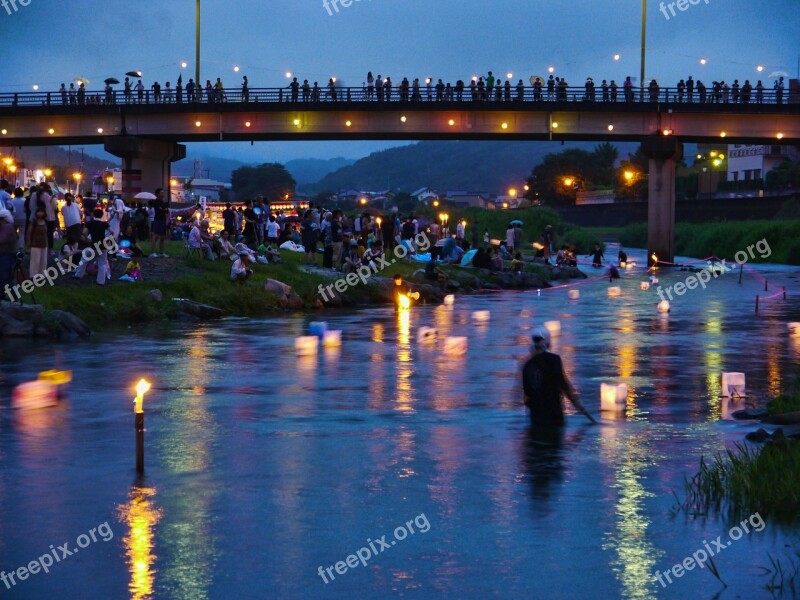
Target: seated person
497	261
133	272
504	253
352	261
561	256
517	266
372	254
269	253
226	250
196	242
132	239
434	273
240	270
572	259
481	260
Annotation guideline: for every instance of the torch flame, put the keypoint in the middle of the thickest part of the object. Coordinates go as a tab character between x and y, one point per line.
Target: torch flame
142	387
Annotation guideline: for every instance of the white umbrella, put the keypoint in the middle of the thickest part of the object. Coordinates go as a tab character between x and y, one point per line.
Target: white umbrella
145	196
776	74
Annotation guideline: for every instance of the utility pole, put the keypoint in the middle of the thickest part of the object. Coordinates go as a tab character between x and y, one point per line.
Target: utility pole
644	45
197	47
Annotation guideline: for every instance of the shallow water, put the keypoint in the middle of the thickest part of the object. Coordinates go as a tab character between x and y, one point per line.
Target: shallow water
262	466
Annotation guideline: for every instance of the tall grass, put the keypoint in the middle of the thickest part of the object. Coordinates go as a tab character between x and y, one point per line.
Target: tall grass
724	240
746	480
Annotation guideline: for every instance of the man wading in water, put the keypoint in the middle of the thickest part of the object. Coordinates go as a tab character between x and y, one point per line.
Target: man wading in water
543	382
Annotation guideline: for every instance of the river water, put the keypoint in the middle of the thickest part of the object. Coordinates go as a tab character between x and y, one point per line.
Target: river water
263	467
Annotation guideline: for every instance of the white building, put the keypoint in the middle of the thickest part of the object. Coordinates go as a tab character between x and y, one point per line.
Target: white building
425	195
748	163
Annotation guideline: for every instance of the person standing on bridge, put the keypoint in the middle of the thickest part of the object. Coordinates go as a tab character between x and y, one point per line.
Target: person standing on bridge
156	87
246	89
127	90
295	87
140	91
690	89
209	92
759	92
72	93
370	86
332	89
379	87
190	90
489	85
219	90
63	92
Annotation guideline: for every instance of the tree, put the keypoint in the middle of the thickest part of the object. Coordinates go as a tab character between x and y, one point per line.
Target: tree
270	180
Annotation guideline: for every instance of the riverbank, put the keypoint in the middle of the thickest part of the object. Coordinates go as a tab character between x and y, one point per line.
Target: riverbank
274	288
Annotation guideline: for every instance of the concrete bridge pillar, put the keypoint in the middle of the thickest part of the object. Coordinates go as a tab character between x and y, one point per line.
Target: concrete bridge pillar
146	162
663	152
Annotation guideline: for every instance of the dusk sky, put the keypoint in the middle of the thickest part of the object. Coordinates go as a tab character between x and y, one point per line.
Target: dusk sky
54	41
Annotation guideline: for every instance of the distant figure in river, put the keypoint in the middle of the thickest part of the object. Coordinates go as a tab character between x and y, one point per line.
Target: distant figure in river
597	260
543	383
622	257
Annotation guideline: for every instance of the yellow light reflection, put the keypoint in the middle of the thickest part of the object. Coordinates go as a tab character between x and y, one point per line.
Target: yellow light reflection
714	366
403	363
141	515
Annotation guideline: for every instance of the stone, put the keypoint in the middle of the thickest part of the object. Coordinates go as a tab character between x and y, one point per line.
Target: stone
68	323
280	289
565	272
155	295
749	414
11	327
22	312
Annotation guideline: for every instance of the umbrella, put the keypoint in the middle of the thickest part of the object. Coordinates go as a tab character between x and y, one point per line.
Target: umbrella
776	74
516	222
180	79
81	80
145	196
534	78
134	73
111	80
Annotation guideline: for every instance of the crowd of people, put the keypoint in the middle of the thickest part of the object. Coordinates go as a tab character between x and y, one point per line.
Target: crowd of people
378	88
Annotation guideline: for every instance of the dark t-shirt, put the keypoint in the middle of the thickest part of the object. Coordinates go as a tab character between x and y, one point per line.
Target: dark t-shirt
250	218
229	218
160	211
543	382
97	229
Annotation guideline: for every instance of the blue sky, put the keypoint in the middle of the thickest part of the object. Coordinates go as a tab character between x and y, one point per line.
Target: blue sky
50	41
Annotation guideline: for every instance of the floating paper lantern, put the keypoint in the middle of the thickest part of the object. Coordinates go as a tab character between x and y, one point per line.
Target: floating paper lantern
332	339
455	345
629	265
449	300
614	291
663	306
318	328
733	384
644	285
481	316
623	265
613	397
574	294
306	345
654	280
554	327
56	377
34	394
426	335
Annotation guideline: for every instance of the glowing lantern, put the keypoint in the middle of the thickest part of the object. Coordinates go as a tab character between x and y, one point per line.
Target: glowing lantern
574	294
654	280
449	300
317	328
614	291
733	384
554	327
306	345
455	345
332	339
481	316
623	265
426	335
141	388
663	306
613	397
795	328
644	285
403	302
34	394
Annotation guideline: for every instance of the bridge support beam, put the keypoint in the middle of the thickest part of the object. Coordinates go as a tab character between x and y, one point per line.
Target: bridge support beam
146	162
663	152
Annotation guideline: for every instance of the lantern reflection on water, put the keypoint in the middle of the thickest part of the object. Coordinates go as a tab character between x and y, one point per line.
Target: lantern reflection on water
140	515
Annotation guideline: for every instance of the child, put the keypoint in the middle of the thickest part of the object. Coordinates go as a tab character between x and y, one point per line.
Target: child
516	264
37	239
133	272
486	238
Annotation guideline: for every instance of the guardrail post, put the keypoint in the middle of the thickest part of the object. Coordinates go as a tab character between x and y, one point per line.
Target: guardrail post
280	95
48	98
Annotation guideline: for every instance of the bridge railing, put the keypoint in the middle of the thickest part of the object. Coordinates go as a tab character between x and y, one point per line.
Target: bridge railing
396	94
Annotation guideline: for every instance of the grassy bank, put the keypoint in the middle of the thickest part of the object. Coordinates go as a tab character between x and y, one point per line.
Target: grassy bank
724	240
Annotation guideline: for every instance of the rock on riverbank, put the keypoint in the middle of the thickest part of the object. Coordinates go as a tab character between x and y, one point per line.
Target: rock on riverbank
30	320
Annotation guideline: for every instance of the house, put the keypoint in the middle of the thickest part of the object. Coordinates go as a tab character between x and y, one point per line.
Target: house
425	195
470	199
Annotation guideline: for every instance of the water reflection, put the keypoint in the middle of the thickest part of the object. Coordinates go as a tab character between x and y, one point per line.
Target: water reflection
141	516
403	365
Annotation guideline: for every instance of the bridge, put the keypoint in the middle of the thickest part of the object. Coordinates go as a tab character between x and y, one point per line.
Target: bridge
146	131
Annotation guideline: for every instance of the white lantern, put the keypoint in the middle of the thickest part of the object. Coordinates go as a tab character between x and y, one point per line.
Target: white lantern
332	339
306	345
644	285
481	316
654	280
613	397
426	335
630	265
574	294
34	395
614	291
449	300
663	306
318	328
733	384
455	345
554	327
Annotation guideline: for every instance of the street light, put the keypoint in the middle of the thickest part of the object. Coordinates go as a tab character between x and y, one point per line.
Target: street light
569	181
628	175
513	192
